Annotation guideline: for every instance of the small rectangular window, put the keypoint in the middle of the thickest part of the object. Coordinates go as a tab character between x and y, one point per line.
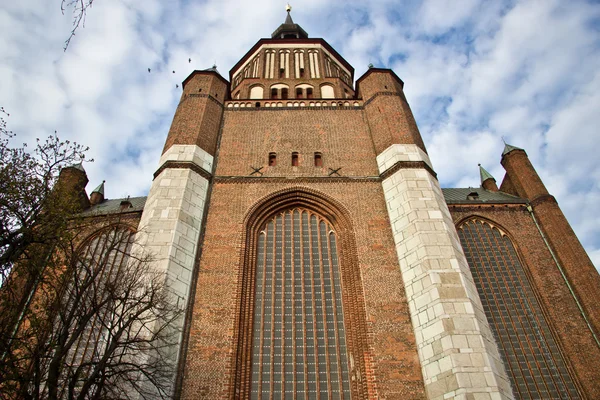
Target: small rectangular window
298	93
272	159
309	93
318	160
273	93
284	93
295	159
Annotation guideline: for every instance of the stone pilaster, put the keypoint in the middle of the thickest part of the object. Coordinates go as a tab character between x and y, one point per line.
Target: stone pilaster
172	217
458	354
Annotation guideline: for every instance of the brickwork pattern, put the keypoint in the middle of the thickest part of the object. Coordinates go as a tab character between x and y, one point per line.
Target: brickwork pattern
391	363
390	118
198	117
574	338
459	356
341	136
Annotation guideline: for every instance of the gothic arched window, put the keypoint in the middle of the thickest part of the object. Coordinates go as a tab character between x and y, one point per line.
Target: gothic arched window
298	333
532	358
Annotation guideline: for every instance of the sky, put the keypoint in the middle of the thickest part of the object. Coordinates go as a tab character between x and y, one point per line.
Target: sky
475	71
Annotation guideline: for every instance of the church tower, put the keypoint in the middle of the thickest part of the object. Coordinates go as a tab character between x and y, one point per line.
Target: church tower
300	221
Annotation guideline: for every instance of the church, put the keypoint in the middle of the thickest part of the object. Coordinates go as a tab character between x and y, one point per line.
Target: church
296	214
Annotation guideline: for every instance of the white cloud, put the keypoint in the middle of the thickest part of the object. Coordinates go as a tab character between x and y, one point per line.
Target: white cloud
474	71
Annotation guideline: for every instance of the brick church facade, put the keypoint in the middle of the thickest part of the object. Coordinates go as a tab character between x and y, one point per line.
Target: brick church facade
300	219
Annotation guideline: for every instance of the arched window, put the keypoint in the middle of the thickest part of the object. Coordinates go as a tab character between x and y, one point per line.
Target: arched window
532	358
256	92
299	337
295	159
304	91
279	91
327	92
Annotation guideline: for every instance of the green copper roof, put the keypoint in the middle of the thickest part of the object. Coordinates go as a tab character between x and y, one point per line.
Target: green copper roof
479	196
508	148
99	189
484	174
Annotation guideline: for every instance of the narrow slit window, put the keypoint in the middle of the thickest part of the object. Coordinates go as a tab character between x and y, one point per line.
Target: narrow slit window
301	72
273	93
298	93
309	93
318	160
272	159
281	72
284	93
295	159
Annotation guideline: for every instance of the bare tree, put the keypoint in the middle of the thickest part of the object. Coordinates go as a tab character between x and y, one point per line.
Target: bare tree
79	318
35	214
99	328
79	9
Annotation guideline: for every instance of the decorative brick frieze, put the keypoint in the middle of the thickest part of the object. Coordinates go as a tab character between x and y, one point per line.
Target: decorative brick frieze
457	351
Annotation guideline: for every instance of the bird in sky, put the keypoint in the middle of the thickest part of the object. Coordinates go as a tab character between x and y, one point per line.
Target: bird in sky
148	70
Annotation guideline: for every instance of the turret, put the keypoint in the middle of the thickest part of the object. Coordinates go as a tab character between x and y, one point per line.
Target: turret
487	180
390	118
71	186
569	255
97	195
198	117
521	177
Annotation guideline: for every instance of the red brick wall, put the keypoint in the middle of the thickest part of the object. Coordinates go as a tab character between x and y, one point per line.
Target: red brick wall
342	136
393	369
199	113
390	119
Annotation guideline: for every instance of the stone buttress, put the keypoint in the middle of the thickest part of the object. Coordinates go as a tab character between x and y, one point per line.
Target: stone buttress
172	220
458	354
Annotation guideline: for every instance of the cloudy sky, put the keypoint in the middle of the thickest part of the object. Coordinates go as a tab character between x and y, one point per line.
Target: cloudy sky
474	71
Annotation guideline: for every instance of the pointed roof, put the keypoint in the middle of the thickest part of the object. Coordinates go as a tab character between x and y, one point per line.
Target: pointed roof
99	189
508	148
484	175
78	166
288	19
212	69
289	30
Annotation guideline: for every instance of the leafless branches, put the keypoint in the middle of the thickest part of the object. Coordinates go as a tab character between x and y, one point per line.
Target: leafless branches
80	8
101	328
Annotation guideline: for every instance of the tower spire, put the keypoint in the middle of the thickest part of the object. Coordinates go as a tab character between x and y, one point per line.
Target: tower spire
487	180
288	19
289	29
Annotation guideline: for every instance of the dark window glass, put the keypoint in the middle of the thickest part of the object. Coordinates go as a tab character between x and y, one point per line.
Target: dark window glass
272	159
526	344
309	93
295	160
298	93
273	93
299	343
284	93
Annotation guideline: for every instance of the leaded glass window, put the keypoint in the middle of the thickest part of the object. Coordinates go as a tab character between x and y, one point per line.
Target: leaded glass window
532	358
298	341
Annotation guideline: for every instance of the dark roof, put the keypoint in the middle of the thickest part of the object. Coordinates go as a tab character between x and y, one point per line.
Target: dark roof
113	206
460	196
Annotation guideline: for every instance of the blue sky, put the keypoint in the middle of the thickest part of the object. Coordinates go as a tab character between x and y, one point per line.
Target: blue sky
474	71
